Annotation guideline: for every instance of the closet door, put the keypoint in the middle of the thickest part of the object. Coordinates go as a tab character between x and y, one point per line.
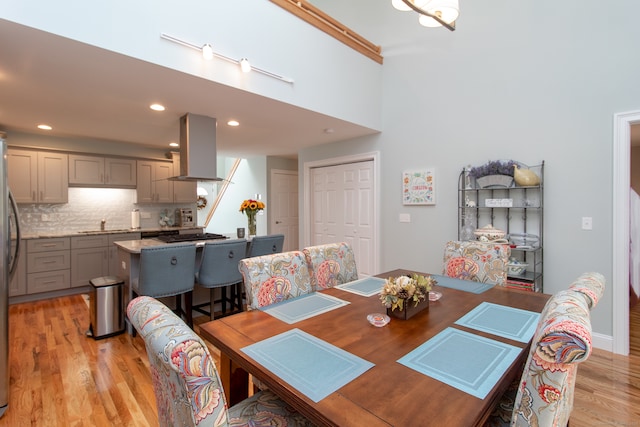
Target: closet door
343	209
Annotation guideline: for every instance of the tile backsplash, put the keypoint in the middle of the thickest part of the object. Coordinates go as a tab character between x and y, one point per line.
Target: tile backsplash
86	209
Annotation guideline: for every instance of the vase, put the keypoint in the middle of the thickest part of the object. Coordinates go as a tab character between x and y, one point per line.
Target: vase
409	309
495	181
251	218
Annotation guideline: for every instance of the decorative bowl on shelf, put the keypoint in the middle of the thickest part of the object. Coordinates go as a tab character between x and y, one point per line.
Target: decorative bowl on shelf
516	268
490	233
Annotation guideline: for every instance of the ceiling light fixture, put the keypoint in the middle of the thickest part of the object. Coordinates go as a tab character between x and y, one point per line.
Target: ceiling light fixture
233	123
208	53
174	144
44	127
157	107
245	66
433	13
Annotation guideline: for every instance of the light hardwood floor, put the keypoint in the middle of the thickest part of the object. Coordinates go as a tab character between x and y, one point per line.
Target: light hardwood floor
60	377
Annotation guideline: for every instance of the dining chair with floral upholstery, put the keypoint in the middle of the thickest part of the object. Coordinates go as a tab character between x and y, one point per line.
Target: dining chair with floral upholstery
478	261
330	265
562	340
185	379
269	279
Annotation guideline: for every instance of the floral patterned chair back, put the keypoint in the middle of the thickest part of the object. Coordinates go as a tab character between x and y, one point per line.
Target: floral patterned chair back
562	340
269	279
331	264
185	379
477	261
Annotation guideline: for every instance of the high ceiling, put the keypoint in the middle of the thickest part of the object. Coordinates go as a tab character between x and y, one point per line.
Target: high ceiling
84	91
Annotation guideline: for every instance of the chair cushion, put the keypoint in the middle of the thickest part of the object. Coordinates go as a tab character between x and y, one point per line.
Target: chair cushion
269	279
265	409
476	261
330	265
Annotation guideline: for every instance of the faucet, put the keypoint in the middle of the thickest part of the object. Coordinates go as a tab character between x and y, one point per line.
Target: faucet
102	223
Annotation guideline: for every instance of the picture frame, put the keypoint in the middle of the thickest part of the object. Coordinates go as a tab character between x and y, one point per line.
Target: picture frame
418	187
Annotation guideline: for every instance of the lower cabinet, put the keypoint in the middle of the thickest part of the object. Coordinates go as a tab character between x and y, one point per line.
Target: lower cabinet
48	264
18	284
95	256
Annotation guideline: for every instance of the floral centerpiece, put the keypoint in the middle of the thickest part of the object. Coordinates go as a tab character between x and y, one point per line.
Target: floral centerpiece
407	294
251	207
494	173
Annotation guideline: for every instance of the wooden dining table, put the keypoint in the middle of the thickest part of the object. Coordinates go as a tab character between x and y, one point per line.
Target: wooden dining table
389	393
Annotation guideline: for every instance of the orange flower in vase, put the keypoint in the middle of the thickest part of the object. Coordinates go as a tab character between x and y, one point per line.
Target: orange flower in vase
251	207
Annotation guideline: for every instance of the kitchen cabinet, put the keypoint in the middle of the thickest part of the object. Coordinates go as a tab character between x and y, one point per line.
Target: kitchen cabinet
95	256
38	176
48	264
183	191
517	210
102	171
153	181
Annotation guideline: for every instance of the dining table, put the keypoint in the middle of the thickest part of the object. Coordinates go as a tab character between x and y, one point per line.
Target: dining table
448	365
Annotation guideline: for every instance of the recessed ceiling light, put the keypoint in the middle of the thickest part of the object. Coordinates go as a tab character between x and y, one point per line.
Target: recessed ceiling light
174	144
157	107
44	127
233	123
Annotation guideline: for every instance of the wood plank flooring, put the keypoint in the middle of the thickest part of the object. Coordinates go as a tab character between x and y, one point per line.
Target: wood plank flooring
60	377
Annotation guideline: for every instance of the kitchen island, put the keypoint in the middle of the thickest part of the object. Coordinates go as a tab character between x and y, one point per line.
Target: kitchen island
129	263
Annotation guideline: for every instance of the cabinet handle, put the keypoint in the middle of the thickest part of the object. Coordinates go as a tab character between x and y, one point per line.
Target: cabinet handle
48	245
48	282
48	262
33	197
102	178
41	195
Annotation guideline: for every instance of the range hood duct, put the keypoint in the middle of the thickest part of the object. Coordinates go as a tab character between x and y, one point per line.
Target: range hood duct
198	160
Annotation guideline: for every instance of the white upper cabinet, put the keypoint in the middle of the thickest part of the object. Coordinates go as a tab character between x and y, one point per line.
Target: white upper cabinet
102	171
38	176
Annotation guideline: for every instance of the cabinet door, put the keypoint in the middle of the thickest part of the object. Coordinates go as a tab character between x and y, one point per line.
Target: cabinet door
53	178
144	186
184	191
22	168
120	172
86	170
163	187
87	264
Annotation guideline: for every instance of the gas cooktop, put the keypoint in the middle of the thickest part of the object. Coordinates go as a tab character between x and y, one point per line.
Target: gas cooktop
173	238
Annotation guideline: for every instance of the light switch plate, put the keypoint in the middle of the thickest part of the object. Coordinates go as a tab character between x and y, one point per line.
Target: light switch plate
587	223
405	218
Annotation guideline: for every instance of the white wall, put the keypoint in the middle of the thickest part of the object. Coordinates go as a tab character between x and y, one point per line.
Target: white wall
270	37
526	80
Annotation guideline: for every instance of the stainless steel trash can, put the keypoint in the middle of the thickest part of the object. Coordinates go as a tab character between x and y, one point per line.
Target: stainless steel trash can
105	306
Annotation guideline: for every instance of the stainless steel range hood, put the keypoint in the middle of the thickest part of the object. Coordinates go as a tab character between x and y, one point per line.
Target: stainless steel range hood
197	149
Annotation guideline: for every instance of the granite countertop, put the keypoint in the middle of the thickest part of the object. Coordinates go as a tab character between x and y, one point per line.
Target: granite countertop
75	233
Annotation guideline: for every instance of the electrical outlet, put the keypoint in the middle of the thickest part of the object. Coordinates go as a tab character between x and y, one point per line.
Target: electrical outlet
145	215
587	223
405	218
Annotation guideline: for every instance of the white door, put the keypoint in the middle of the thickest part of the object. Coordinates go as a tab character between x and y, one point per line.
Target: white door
343	209
284	207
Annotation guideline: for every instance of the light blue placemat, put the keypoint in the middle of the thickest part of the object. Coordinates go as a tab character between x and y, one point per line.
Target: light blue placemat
462	285
304	307
367	287
507	322
314	367
468	362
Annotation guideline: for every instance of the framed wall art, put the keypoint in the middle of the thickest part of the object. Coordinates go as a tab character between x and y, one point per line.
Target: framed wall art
418	187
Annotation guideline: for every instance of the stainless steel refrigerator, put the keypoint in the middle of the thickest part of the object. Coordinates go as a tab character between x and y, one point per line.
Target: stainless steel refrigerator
10	248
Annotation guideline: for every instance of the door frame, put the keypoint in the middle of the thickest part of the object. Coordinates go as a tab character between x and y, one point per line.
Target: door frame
272	192
620	252
308	191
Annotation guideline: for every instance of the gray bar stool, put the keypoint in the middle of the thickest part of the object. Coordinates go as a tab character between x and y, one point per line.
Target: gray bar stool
219	269
168	271
266	245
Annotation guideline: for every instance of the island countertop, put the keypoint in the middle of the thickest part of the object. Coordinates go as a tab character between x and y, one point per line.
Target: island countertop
134	246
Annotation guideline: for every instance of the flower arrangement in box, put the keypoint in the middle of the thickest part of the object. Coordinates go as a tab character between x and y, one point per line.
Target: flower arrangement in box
494	173
406	292
250	207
